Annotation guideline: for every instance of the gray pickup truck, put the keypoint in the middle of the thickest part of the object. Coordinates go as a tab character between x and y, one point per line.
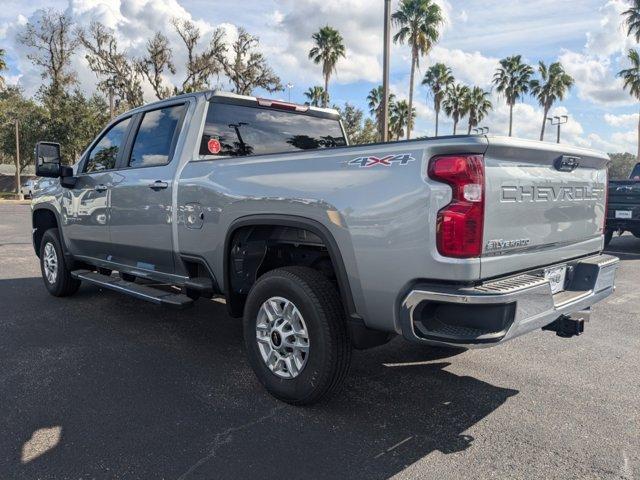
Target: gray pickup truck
322	247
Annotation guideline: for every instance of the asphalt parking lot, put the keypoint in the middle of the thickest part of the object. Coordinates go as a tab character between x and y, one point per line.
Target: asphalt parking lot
100	385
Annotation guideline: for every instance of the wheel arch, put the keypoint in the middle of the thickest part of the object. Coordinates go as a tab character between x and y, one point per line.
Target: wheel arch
313	226
42	219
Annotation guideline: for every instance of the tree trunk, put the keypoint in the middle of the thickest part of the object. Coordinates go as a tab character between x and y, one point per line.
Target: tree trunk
20	197
510	119
544	123
437	109
469	131
455	126
414	59
325	97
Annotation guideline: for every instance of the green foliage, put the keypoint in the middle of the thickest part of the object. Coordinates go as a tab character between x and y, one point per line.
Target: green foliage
248	68
455	103
376	106
438	78
329	47
316	96
158	59
419	23
358	129
513	80
477	105
632	19
32	123
553	85
119	75
621	165
400	119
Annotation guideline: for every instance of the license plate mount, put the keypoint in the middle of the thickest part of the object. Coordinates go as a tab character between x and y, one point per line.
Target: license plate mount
557	277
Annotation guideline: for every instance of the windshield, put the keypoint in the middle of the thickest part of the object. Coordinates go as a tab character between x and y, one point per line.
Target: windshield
635	175
236	130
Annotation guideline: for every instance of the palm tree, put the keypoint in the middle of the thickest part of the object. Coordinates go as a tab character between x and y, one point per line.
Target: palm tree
454	103
3	65
315	95
438	78
477	105
419	22
512	79
399	113
328	50
631	78
553	85
374	100
633	19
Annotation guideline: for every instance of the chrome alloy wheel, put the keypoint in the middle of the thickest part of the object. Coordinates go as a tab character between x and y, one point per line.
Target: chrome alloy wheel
50	263
282	336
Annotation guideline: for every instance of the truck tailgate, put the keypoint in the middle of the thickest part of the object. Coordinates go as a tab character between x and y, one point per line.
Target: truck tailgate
545	203
624	200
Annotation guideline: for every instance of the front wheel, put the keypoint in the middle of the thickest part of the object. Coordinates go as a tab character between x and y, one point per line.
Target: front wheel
55	273
295	335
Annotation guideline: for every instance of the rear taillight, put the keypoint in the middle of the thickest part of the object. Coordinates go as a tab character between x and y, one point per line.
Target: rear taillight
460	224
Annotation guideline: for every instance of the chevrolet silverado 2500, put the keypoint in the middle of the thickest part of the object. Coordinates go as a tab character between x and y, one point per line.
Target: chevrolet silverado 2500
319	246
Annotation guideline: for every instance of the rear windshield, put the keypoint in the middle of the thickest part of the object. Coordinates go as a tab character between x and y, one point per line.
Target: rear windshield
236	130
635	175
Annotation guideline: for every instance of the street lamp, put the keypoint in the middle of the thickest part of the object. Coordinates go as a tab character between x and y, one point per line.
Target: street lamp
557	121
289	87
385	70
480	130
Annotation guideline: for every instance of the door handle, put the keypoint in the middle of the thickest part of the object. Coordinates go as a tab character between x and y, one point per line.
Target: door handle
158	185
100	188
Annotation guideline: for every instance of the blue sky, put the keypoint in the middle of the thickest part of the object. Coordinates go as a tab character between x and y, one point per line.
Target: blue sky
586	35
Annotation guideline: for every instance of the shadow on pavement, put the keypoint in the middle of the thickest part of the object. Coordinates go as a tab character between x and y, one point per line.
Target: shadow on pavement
136	391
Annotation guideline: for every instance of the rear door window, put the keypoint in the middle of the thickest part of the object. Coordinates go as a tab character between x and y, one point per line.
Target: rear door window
635	175
156	137
236	130
104	154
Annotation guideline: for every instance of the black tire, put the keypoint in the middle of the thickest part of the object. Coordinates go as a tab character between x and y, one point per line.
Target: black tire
329	354
63	283
127	277
608	235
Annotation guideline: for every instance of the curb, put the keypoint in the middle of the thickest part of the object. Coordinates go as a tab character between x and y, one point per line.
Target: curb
15	202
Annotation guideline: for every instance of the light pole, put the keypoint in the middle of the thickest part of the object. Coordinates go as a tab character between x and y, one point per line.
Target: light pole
20	197
480	130
289	87
557	121
385	70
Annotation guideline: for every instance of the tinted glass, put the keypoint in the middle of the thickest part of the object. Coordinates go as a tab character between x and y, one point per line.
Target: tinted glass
105	153
257	131
154	139
635	175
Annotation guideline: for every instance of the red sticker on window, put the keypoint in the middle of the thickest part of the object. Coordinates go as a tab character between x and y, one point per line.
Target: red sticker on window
214	146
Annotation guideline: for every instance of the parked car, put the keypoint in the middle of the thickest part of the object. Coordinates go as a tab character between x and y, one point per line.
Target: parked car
623	211
463	241
28	187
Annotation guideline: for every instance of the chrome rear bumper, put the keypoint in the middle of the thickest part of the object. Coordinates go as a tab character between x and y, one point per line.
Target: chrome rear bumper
499	310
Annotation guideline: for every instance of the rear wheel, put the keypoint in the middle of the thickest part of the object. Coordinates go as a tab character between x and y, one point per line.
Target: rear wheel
608	235
295	335
55	273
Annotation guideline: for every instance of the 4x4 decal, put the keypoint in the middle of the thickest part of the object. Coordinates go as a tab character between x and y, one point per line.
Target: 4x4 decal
387	161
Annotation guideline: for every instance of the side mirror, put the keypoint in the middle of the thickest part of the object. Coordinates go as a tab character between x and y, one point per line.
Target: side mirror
48	159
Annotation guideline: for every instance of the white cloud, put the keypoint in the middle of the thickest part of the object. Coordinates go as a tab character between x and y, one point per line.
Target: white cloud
594	78
625	120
